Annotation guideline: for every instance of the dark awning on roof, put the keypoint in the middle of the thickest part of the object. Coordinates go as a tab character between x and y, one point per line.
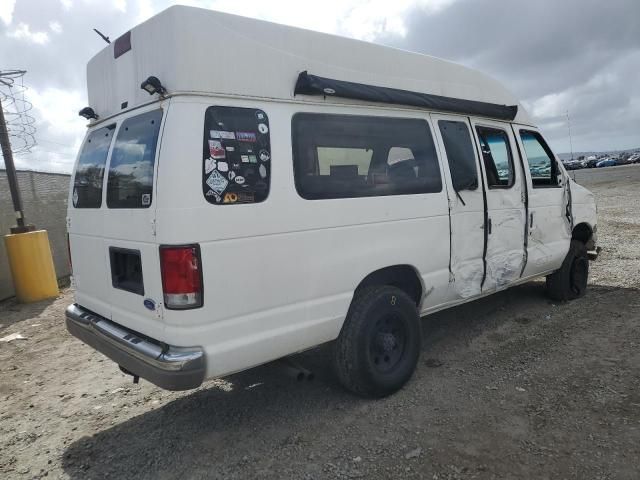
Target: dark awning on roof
314	85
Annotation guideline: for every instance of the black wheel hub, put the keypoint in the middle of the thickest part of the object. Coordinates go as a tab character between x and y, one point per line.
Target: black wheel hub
578	275
388	343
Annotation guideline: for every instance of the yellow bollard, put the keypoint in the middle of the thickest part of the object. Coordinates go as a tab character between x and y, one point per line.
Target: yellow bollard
31	263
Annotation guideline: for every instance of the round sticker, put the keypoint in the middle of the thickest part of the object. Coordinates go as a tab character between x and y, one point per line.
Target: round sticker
239	180
262	128
264	155
263	171
329	91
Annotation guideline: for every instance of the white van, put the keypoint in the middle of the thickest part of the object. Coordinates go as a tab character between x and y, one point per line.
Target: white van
248	190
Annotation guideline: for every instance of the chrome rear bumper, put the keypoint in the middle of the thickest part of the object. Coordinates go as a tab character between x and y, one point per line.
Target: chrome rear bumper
169	367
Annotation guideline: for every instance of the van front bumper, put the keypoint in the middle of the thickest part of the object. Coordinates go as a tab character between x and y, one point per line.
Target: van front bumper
169	367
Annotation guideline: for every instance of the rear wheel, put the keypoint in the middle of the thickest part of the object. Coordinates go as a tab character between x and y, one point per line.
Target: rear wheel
379	345
570	281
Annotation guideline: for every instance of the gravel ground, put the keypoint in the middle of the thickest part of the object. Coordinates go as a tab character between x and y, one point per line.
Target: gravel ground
511	386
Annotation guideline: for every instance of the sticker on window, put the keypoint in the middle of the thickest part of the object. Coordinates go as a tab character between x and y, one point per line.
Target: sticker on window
236	164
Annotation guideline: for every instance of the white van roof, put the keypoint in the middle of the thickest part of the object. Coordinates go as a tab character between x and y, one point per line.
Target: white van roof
196	50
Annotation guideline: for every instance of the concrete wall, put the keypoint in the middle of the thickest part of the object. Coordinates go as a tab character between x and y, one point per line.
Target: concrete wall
44	196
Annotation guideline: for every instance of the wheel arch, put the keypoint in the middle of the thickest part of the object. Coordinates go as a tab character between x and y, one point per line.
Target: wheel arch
584	233
405	277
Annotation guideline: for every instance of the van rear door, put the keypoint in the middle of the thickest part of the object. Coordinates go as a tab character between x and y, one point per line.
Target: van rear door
113	246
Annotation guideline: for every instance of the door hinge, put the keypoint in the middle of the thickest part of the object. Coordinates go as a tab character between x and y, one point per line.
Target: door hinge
68	223
153	227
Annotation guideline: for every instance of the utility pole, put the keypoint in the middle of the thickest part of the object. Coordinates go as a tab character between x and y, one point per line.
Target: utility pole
12	177
28	250
570	141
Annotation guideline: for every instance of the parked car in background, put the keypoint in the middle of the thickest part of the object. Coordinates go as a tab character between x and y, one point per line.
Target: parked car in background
592	162
635	158
573	164
607	162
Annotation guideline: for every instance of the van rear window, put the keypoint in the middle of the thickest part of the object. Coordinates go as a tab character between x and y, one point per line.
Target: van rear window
130	181
236	163
344	156
87	183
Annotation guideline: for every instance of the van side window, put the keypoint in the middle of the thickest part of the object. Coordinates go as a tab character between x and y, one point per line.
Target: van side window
542	165
130	182
496	154
236	166
462	159
87	183
344	156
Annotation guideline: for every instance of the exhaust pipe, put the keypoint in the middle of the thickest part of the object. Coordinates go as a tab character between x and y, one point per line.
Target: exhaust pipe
295	370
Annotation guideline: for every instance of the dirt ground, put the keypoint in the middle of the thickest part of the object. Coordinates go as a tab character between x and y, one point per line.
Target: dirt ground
511	386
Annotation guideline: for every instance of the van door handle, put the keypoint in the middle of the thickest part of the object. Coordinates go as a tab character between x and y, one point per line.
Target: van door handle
489	226
531	220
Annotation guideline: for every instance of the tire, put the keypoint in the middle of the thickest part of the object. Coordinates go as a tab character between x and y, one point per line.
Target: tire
379	345
570	281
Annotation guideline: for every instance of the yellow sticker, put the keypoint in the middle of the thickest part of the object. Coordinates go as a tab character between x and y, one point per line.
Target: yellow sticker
230	197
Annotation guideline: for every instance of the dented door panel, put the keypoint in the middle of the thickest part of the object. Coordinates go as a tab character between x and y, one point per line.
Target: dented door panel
466	207
549	228
505	255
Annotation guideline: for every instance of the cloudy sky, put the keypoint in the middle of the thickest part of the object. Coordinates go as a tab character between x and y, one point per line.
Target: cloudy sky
581	56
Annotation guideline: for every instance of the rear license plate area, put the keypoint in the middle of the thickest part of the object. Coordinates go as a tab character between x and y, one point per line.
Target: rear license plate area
126	270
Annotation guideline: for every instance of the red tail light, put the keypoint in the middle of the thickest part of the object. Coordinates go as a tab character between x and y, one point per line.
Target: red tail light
181	276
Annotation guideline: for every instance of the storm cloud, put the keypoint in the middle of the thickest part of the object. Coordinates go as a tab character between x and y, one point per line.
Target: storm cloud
581	56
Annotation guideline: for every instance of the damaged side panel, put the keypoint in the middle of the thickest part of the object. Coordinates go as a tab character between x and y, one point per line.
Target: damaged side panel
504	180
505	257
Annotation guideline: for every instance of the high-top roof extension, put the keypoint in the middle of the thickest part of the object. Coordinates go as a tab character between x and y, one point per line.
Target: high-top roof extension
203	51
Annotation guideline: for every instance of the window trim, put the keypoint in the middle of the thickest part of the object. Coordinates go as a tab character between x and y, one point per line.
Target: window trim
509	151
105	189
555	168
114	129
295	144
476	159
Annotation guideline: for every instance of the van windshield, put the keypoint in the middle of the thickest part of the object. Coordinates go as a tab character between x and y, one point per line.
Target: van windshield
87	183
130	181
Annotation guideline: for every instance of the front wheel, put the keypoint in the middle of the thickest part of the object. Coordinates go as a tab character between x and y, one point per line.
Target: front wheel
379	345
570	281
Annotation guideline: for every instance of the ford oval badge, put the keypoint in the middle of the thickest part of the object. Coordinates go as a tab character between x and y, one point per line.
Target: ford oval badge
150	304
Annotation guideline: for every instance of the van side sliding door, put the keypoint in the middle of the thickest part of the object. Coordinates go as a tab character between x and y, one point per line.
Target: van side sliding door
463	182
504	187
549	230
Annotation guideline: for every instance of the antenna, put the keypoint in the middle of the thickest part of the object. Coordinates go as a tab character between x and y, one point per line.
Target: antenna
104	37
570	141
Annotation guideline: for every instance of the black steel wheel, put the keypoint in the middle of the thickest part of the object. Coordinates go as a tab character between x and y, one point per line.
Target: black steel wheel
379	345
388	343
579	275
570	280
